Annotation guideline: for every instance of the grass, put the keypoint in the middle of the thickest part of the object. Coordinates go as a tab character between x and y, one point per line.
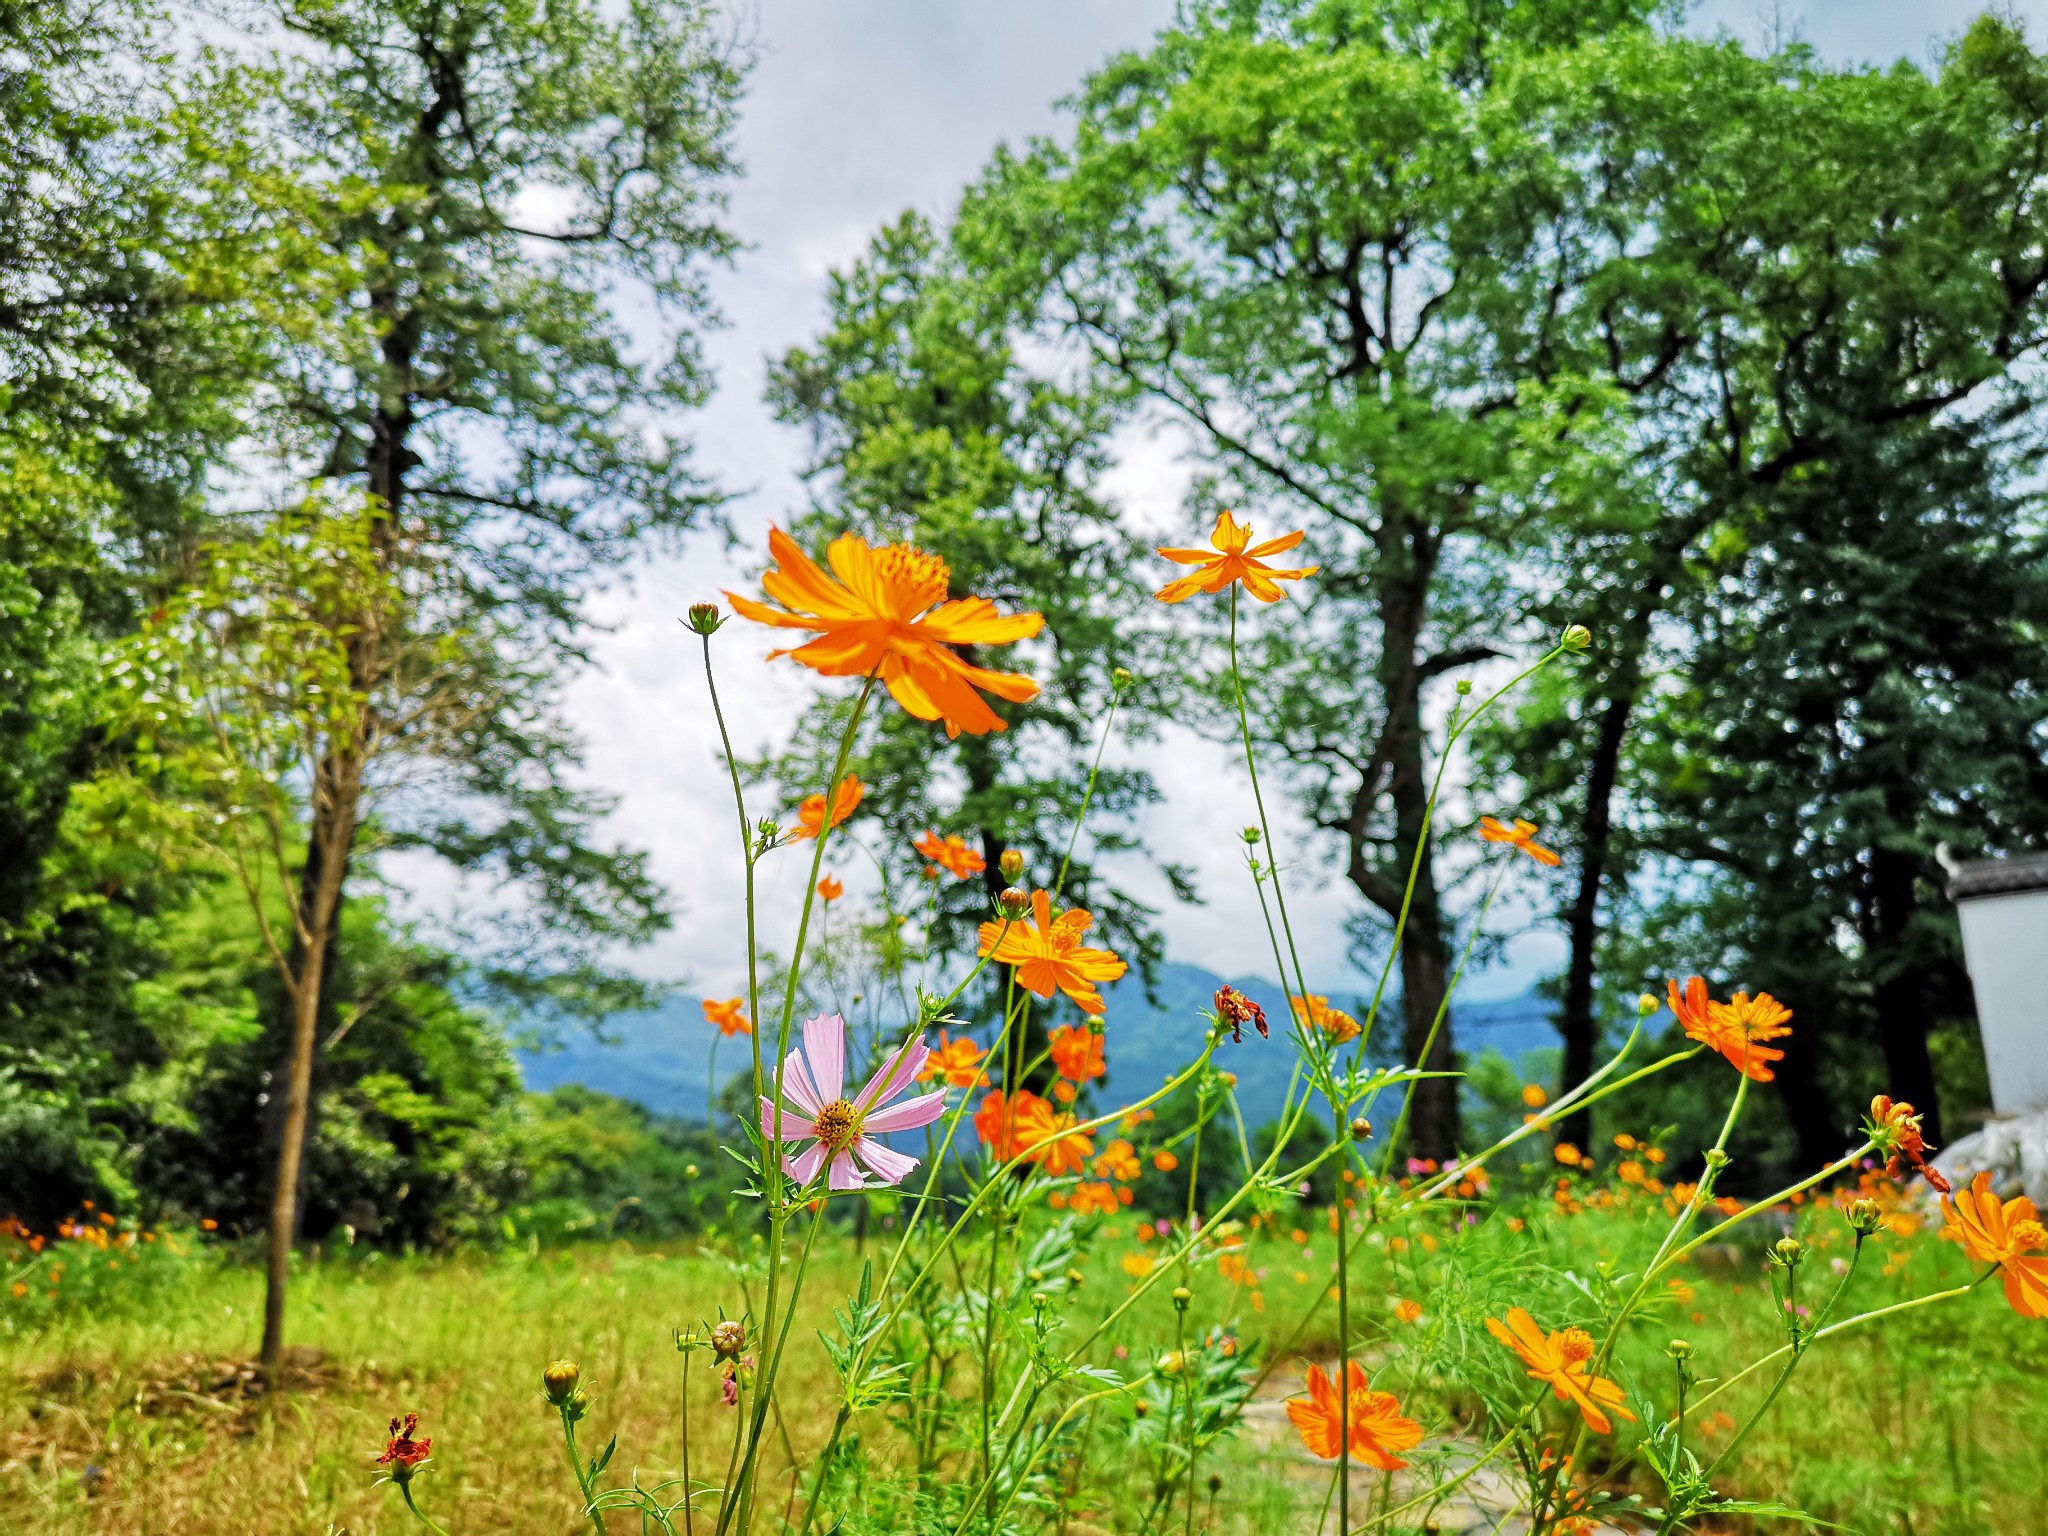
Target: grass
122	1421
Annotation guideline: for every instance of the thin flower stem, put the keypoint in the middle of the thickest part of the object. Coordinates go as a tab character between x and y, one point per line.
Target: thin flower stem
405	1492
1116	697
739	801
576	1468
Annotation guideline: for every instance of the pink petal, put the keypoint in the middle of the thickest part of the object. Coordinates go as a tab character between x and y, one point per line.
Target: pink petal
895	1074
804	1166
825	1044
888	1165
796	1083
795	1126
844	1174
908	1115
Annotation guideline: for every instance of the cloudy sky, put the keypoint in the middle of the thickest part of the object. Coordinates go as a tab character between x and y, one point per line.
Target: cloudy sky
857	110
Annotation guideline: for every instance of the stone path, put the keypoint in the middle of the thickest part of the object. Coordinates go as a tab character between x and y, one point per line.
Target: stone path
1485	1504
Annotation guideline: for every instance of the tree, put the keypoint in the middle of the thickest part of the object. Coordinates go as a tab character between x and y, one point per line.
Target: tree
928	428
1811	228
1322	235
460	193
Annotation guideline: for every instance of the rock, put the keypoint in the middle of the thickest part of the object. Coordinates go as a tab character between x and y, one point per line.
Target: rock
2014	1151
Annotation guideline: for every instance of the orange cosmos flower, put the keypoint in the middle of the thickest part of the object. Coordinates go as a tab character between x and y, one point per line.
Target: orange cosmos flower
1119	1160
1093	1197
1316	1012
951	854
957	1061
830	889
886	614
1521	835
1407	1311
1560	1359
1235	558
2002	1233
1895	1127
1077	1053
1735	1028
1048	1138
730	1016
1048	954
996	1122
1377	1428
810	816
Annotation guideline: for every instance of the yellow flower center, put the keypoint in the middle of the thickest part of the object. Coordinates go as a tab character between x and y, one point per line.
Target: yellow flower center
838	1125
914	577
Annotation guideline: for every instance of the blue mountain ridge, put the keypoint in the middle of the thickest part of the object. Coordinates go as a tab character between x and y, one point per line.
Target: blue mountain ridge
661	1059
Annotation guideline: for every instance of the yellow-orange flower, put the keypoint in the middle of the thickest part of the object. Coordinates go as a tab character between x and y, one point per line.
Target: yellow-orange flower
730	1015
1377	1428
1735	1028
957	1061
810	816
1316	1012
830	889
1048	1138
951	854
2004	1233
1521	835
1077	1053
1534	1096
1234	558
886	614
1119	1160
1093	1197
1560	1359
1407	1311
1048	954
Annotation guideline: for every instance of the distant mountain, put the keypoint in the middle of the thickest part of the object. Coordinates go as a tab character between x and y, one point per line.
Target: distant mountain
662	1058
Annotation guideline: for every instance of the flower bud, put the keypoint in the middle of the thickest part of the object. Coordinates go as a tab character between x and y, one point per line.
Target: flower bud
1716	1158
1181	1297
1215	1482
1013	903
1464	687
1251	835
1170	1364
1075	1277
559	1378
1865	1216
1035	1276
1787	1251
705	618
1123	677
691	1170
1012	865
1648	1004
1039	1300
1361	1129
728	1338
1679	1349
1576	638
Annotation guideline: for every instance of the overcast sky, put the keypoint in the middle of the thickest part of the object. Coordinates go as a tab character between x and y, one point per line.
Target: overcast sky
857	110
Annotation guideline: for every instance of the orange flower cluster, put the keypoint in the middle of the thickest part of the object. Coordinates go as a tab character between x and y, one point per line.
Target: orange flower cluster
404	1452
951	854
2005	1233
1560	1359
1737	1028
1049	955
1377	1429
1023	1124
883	613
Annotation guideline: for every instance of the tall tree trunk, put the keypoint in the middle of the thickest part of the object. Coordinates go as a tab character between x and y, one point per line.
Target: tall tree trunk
1408	564
1576	1021
1899	990
334	818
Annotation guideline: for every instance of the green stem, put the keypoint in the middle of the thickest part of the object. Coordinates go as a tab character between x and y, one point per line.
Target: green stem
747	858
405	1492
576	1468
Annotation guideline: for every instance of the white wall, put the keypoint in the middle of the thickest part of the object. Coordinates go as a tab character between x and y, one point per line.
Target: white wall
2005	940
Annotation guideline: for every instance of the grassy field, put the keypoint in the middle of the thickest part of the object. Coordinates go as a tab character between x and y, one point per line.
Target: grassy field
125	1421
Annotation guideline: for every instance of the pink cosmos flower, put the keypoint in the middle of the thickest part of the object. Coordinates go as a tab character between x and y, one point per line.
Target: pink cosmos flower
842	1129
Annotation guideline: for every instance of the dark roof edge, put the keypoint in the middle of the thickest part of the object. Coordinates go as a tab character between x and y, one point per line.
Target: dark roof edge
1999	877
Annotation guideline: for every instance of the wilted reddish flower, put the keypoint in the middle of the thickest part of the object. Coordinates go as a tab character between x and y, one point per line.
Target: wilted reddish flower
1895	1127
1237	1010
404	1452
